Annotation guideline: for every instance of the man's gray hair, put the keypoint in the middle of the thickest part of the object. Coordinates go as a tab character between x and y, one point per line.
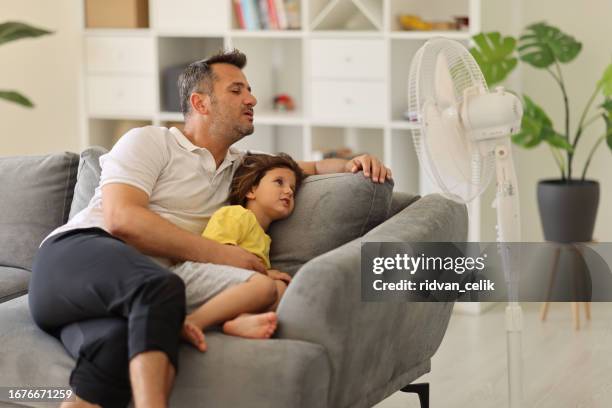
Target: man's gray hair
199	76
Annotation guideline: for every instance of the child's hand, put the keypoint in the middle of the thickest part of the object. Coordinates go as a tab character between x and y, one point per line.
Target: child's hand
278	275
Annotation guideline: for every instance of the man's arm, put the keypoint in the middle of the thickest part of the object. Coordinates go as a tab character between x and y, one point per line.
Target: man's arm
127	216
371	166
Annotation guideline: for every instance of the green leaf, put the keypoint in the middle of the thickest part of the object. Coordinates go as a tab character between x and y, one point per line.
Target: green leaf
557	140
607	117
494	55
16	97
542	45
13	30
606	83
607	106
536	127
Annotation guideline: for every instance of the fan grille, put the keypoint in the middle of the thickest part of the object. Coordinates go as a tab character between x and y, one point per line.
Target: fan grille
464	173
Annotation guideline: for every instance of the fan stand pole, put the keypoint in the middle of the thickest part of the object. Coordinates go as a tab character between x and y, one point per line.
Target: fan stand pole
514	327
508	231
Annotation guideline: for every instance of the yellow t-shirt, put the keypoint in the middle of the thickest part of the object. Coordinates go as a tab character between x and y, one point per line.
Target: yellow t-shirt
235	225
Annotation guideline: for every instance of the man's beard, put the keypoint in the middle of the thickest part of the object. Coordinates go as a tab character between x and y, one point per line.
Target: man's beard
229	129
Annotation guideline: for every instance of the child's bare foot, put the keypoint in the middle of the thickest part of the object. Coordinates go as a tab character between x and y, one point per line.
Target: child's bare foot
194	335
253	326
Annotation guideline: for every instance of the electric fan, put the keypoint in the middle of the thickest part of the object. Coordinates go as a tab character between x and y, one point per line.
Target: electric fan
461	133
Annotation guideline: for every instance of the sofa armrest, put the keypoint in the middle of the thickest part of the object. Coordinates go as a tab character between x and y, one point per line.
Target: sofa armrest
377	341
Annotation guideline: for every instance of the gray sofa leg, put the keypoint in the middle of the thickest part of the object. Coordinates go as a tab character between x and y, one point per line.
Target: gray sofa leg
422	390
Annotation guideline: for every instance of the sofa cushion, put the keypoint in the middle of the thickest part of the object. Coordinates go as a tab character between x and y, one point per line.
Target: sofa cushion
330	210
88	178
13	282
289	373
36	194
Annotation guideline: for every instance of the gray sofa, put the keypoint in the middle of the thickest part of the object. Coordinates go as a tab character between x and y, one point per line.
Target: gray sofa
331	349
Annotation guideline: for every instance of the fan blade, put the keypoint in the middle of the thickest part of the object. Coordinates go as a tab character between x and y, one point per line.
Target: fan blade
443	84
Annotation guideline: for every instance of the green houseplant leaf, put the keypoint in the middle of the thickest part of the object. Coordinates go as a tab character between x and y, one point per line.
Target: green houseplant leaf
12	30
605	83
607	116
494	55
17	98
536	127
543	45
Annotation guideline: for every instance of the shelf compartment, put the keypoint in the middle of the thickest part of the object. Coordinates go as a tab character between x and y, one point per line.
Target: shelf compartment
431	10
174	54
347	15
328	141
402	53
273	67
190	17
288	14
116	14
275	139
404	162
278	118
106	132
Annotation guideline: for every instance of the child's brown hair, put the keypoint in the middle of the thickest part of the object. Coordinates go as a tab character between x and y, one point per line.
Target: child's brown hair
252	169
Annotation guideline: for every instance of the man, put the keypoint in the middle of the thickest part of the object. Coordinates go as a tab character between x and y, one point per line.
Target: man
93	286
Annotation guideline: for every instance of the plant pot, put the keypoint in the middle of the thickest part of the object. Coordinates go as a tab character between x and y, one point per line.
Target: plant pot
568	209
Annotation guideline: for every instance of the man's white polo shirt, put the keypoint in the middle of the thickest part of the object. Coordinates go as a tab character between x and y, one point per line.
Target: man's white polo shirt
181	179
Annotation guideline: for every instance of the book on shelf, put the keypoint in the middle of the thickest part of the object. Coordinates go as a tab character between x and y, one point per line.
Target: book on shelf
292	9
264	18
272	14
267	14
280	14
251	16
239	13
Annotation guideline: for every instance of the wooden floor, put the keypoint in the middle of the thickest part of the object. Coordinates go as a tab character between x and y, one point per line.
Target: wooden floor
563	368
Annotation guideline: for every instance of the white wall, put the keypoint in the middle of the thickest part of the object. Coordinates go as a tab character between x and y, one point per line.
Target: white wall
46	69
589	23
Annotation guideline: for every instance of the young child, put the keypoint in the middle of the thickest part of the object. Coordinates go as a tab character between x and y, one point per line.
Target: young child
262	191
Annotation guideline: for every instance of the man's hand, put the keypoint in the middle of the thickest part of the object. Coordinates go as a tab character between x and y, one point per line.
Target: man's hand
235	256
278	275
371	166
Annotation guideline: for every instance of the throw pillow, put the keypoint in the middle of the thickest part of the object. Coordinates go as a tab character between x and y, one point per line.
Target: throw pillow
36	193
88	178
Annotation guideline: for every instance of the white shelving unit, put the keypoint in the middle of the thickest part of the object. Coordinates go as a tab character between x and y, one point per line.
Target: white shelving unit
346	69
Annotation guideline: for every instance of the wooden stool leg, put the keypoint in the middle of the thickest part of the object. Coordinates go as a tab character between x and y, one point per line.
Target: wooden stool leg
553	273
544	311
587	310
576	313
576	305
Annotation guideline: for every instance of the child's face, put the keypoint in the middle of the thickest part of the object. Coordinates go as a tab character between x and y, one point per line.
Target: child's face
275	193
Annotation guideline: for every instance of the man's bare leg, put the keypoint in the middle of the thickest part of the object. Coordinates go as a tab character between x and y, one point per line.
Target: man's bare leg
78	403
148	375
170	375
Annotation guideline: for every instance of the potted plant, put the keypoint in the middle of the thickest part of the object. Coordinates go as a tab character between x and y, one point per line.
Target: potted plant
568	204
11	31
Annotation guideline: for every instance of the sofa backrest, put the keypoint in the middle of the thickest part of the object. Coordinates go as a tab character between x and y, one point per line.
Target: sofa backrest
35	197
